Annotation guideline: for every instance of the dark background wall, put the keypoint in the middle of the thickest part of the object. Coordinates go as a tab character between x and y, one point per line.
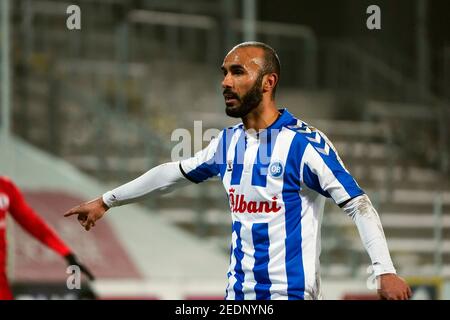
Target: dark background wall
347	19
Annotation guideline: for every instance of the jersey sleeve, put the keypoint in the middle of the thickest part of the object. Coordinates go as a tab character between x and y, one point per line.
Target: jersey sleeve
205	163
32	223
323	171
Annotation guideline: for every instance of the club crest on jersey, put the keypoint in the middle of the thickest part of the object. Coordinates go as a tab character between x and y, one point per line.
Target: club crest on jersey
238	204
276	169
4	201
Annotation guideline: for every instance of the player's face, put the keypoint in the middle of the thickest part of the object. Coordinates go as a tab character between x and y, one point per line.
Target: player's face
242	82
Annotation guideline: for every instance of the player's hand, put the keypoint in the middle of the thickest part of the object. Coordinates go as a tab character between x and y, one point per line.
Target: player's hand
73	260
392	287
88	212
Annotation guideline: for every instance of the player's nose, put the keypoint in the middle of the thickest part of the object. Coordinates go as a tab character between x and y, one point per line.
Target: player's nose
227	82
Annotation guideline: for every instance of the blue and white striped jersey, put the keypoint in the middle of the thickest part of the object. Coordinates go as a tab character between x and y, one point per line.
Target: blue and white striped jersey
275	181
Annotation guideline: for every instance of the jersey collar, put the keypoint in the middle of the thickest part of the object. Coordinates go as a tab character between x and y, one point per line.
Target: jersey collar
284	119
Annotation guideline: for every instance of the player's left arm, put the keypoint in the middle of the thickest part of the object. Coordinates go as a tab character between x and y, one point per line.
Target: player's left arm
362	212
324	171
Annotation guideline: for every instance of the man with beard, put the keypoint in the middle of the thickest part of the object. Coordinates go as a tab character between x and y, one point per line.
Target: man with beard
276	170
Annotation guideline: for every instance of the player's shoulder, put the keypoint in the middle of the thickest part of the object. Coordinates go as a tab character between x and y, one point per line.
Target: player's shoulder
306	133
303	129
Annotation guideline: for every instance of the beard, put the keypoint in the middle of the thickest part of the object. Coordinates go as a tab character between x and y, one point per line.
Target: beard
248	102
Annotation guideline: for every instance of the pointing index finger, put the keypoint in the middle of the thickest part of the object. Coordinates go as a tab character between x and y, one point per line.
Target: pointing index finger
69	213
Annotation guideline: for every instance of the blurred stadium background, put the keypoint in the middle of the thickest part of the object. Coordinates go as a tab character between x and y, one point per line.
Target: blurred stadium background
86	110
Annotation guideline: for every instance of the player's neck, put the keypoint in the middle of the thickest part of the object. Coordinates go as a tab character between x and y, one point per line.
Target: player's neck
261	117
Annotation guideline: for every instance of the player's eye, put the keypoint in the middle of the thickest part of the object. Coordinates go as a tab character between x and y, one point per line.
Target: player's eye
237	71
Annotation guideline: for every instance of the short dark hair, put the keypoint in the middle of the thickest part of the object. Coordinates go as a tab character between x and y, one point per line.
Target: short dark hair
271	60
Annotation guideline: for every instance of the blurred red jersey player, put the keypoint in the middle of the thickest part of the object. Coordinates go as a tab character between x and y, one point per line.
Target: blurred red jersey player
12	201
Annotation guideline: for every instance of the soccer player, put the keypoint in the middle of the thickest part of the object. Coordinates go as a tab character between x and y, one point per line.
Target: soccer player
276	170
12	201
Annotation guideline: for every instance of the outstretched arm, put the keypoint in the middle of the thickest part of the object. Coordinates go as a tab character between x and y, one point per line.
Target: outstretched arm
159	179
366	218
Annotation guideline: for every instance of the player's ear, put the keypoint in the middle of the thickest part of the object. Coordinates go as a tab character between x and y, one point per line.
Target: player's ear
269	82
